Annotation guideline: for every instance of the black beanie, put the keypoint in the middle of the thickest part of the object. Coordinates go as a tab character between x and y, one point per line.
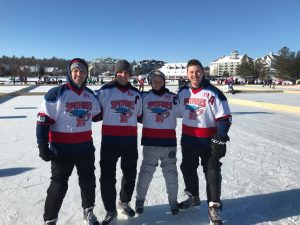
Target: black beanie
154	73
122	65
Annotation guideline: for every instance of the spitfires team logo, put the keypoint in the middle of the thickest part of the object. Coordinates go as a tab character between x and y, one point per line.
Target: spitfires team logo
195	107
160	114
161	110
124	108
125	113
80	110
194	111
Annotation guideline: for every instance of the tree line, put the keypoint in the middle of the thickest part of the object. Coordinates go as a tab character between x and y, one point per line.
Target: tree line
284	66
14	66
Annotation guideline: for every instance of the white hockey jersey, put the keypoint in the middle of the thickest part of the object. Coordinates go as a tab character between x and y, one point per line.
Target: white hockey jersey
120	110
200	110
69	115
159	119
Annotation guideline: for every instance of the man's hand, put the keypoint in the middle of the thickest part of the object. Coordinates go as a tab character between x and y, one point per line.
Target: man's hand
218	146
45	153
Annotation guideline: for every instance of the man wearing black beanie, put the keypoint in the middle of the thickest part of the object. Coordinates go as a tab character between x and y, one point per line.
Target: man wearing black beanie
121	106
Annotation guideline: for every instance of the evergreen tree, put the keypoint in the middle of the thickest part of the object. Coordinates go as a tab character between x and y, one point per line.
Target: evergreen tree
260	70
247	69
296	73
284	64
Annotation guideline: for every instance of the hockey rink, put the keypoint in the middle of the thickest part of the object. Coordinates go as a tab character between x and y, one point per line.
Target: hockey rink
261	170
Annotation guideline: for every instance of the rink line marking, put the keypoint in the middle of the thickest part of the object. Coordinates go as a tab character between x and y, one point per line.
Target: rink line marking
292	91
266	105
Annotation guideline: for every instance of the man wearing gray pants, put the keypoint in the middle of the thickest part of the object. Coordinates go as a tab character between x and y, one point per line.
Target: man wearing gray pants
160	112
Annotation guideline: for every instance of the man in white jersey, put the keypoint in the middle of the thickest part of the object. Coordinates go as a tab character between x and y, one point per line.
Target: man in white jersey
160	111
64	137
121	105
206	119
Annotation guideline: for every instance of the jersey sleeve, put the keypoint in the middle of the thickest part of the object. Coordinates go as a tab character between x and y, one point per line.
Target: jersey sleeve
47	115
222	115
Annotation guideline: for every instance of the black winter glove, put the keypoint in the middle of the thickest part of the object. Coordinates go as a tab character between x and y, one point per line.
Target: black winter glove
45	153
218	146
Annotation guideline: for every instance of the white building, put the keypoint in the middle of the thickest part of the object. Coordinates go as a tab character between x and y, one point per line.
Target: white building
53	70
103	64
174	71
268	62
226	64
31	69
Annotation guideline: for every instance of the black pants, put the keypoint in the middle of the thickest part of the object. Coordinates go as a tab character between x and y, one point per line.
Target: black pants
61	170
211	168
108	161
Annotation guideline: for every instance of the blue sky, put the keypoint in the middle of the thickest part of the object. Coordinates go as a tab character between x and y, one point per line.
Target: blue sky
168	30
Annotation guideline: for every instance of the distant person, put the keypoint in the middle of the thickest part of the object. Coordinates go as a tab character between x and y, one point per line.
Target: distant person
160	111
206	119
180	82
121	106
230	85
64	137
141	84
21	79
270	82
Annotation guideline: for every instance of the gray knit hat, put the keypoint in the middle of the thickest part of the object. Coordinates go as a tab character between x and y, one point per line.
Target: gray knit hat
154	73
122	65
80	65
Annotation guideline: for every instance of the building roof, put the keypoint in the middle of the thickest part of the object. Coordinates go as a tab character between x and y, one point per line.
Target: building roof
233	57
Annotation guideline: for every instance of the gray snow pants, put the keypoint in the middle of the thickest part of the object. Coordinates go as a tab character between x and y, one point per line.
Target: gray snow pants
151	156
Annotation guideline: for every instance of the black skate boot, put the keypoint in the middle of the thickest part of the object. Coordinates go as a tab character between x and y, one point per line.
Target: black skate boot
89	218
126	209
139	206
174	208
214	213
50	222
193	200
110	218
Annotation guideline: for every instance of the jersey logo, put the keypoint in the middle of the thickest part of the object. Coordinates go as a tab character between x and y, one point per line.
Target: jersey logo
124	108
206	94
125	114
161	110
80	110
195	106
194	111
41	119
81	115
160	114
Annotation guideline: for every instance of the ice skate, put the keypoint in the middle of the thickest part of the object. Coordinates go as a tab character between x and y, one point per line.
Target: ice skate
111	218
174	208
50	222
214	213
139	206
126	209
89	218
193	200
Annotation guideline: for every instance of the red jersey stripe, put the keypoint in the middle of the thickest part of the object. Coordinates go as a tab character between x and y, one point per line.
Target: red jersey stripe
159	133
70	138
111	130
199	132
